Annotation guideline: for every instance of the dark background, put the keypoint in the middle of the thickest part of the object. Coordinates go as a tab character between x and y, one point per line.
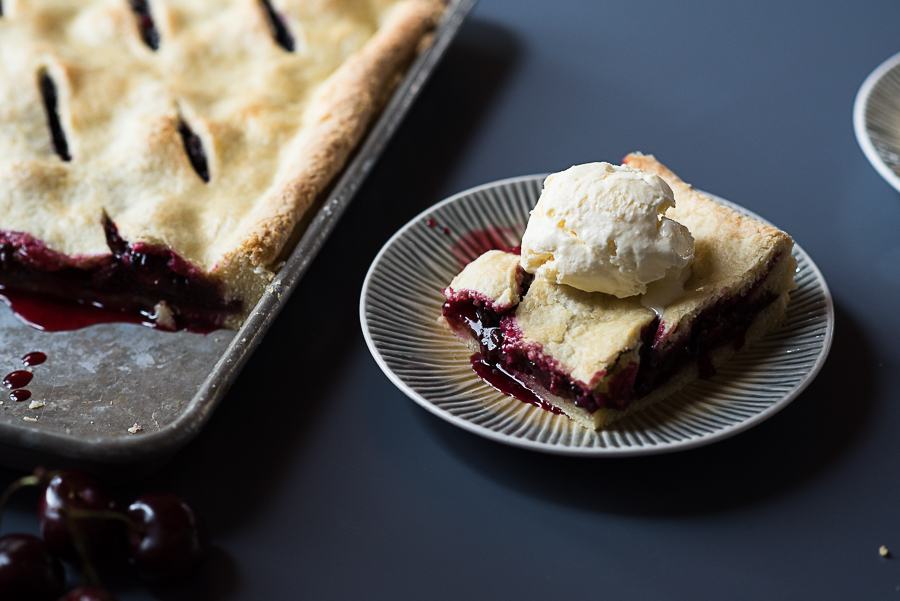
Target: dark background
337	486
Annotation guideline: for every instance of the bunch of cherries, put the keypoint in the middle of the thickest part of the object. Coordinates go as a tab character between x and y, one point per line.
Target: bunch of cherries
78	520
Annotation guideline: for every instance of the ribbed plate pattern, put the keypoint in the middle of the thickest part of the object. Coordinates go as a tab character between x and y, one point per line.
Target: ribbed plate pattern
401	301
876	119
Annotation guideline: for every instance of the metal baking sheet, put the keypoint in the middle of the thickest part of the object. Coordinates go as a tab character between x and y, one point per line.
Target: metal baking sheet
100	381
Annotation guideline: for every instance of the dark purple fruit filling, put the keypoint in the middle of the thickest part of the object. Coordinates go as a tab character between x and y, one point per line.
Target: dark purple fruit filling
145	23
58	136
194	149
279	29
53	291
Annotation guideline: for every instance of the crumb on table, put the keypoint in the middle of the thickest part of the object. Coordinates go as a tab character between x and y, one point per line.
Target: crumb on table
134	429
883	551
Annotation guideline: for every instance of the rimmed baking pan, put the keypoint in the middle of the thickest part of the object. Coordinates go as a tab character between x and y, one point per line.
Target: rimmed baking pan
119	395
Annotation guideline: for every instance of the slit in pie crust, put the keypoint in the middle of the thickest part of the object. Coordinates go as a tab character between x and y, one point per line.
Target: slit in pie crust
165	150
598	358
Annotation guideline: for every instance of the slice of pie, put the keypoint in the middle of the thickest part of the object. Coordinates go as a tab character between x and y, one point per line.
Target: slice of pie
597	357
164	152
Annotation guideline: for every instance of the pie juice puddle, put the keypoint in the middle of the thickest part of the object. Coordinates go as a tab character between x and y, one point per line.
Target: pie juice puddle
53	314
57	315
501	380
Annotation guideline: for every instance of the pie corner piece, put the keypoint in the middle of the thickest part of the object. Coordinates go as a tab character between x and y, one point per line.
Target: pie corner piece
169	150
599	358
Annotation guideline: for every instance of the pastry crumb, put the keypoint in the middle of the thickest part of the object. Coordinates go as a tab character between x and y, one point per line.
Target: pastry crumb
243	340
270	289
883	551
134	429
36	404
30	419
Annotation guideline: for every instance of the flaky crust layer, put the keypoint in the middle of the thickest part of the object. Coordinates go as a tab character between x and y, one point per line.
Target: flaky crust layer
276	126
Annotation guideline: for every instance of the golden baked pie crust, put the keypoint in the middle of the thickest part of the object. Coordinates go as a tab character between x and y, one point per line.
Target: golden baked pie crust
276	126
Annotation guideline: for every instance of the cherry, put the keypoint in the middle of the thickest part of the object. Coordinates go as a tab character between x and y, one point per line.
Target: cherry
76	490
167	538
87	593
28	571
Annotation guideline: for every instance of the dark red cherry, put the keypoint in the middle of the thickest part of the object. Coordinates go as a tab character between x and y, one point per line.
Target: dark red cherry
168	538
74	489
28	571
87	593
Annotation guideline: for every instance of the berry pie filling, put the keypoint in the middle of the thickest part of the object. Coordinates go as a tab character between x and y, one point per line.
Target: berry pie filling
522	370
135	282
145	23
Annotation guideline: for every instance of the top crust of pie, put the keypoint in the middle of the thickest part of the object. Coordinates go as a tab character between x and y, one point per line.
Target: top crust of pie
591	335
731	251
276	126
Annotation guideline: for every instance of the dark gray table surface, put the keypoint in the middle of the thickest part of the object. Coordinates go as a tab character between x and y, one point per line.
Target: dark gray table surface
319	480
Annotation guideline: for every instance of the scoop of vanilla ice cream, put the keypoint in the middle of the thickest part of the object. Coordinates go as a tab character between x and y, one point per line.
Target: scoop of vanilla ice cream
602	228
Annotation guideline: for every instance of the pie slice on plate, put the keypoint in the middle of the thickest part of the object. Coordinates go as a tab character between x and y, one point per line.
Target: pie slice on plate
598	358
161	155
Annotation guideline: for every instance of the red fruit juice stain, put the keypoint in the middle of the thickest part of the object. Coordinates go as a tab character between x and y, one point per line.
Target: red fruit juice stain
20	395
52	314
505	382
472	245
431	223
35	358
446	231
17	379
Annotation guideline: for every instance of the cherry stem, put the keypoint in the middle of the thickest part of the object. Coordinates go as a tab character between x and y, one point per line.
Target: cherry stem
71	517
105	514
38	478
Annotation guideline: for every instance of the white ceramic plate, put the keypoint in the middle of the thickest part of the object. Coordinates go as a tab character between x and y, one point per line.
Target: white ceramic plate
401	301
876	119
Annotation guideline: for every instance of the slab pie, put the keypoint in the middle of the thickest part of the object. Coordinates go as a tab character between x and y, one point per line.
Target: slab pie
161	154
